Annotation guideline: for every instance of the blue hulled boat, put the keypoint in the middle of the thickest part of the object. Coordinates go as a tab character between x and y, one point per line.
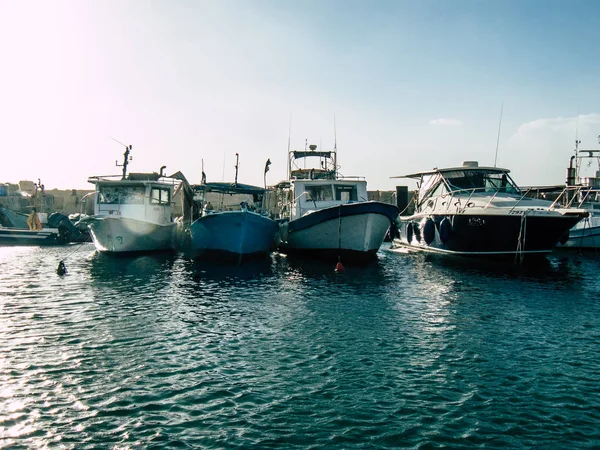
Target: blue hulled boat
236	228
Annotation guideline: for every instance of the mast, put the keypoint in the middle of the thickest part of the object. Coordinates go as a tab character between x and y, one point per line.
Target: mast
237	159
498	137
126	159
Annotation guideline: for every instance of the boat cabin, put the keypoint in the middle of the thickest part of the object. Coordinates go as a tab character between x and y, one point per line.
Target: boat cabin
313	188
140	196
219	196
469	179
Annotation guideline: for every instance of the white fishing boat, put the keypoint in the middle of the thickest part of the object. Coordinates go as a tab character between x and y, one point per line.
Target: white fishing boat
583	191
134	212
326	215
480	211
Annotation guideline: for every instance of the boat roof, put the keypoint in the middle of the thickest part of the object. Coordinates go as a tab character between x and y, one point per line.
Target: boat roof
308	153
455	169
229	188
132	179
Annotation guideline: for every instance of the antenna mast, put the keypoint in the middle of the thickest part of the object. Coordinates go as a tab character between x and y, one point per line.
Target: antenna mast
126	159
334	134
498	138
334	147
289	173
237	159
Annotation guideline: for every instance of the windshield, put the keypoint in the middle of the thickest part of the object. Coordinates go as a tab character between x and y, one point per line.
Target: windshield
480	181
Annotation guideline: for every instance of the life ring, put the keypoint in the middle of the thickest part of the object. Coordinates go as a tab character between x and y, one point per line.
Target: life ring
445	230
428	230
409	232
417	232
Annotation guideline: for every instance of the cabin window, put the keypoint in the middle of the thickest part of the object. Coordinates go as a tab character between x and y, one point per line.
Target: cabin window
345	193
467	180
160	196
320	193
121	195
500	182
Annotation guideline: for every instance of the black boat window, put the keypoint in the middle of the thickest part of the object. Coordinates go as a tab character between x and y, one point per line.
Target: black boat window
500	182
466	180
345	193
160	196
481	181
319	193
121	195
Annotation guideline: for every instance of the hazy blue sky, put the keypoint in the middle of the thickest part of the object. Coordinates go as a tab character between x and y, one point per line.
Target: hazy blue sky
412	85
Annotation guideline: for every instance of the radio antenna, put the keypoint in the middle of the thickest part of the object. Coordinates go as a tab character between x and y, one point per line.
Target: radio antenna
334	134
118	142
289	169
498	138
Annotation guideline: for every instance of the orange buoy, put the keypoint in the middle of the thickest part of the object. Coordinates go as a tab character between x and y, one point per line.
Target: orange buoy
339	267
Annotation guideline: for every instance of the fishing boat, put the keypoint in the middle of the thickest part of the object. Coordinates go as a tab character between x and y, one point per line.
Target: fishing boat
583	192
233	225
324	214
480	211
134	212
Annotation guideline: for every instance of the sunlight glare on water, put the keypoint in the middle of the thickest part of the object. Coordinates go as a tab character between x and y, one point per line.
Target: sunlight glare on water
162	351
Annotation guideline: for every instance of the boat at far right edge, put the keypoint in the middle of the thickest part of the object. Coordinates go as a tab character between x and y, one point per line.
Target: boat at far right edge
474	210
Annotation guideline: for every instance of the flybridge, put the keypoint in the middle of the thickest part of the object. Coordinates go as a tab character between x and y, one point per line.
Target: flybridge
307	154
327	168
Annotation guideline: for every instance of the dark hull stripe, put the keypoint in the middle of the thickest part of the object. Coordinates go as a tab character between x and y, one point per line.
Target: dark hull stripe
347	209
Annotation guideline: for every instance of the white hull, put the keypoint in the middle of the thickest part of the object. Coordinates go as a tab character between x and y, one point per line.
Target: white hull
119	235
359	233
585	234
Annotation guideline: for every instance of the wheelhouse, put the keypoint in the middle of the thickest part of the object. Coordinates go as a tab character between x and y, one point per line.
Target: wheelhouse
488	181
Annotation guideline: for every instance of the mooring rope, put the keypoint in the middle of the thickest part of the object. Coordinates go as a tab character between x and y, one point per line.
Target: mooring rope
521	239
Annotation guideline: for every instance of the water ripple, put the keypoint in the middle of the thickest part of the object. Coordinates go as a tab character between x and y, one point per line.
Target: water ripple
410	351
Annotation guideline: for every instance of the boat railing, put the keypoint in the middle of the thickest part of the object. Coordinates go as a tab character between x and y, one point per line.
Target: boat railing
525	194
351	177
290	204
569	196
459	192
117	178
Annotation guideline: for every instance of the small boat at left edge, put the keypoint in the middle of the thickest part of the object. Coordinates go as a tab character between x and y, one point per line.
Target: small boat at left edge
14	231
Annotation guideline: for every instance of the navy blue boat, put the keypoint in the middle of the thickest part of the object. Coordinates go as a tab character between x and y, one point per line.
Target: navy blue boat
480	211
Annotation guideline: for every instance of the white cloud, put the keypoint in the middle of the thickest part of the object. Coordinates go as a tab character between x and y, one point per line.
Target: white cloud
446	122
539	151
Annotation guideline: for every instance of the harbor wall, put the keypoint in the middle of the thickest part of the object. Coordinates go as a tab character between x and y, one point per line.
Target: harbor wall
25	195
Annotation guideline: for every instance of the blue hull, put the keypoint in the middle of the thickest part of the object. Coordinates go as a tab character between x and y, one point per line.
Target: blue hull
237	234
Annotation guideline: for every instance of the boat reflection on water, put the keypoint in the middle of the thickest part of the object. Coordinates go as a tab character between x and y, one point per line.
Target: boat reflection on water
553	270
222	270
132	269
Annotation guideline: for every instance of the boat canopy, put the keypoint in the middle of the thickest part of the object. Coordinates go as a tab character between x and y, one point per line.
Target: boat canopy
447	171
229	188
308	153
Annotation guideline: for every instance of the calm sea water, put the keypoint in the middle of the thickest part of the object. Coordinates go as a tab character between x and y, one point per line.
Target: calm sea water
409	351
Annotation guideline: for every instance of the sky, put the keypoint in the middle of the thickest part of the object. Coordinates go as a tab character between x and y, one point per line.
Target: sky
398	86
